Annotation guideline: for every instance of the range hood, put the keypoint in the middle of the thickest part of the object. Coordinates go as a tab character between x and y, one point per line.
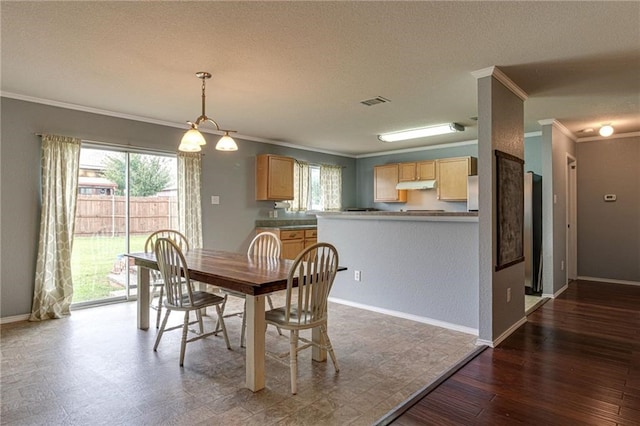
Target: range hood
417	184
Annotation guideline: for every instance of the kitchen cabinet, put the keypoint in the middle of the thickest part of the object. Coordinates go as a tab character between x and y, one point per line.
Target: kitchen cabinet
294	240
452	176
292	244
310	237
274	177
384	185
421	170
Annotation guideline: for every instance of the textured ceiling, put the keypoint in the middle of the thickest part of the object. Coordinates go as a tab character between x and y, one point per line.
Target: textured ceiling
295	72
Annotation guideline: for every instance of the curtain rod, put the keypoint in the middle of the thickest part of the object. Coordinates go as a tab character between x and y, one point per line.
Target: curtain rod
318	164
138	150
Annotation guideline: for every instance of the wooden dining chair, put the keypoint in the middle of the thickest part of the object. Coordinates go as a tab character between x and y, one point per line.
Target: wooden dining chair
265	244
155	283
181	296
308	285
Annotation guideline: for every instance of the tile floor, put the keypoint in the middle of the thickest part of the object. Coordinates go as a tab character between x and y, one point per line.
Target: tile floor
531	303
95	367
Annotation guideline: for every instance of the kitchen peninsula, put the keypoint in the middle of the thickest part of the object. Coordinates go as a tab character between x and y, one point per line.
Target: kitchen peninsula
417	265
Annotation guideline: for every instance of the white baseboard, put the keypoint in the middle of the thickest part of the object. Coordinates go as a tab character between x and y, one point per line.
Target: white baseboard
15	318
416	318
557	293
503	336
608	280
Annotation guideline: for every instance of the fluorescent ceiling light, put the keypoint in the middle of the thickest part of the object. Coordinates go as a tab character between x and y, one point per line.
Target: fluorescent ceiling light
403	135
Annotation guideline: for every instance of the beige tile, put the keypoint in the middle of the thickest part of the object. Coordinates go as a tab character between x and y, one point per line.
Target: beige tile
96	367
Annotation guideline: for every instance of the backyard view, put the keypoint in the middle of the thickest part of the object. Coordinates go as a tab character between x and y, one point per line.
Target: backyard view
123	197
99	267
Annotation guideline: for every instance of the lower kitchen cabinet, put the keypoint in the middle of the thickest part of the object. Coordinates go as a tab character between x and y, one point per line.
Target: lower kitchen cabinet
293	240
310	237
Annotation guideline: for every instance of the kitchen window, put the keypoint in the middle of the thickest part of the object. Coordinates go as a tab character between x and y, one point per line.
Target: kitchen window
316	187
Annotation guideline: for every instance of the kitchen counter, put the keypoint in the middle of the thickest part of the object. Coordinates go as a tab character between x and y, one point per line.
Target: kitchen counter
286	223
289	227
416	215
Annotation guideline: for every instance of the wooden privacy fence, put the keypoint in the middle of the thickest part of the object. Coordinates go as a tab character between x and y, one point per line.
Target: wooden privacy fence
105	214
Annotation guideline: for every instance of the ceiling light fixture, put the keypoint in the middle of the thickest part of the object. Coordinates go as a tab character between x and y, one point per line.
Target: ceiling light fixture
422	132
606	130
193	140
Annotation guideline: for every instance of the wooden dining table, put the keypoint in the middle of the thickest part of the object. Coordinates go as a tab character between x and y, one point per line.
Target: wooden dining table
252	275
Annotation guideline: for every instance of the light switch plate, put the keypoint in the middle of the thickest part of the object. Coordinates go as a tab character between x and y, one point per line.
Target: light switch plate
215	199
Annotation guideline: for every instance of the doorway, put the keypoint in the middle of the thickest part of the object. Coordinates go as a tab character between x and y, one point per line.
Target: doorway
572	226
123	196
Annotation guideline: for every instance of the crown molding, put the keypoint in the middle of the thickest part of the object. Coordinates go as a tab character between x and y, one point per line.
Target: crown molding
421	148
132	117
497	73
558	125
614	136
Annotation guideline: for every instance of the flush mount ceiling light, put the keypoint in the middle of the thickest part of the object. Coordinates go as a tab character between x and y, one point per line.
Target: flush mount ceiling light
422	132
193	140
606	130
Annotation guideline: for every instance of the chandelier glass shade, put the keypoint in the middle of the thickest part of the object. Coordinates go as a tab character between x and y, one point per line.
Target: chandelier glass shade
193	140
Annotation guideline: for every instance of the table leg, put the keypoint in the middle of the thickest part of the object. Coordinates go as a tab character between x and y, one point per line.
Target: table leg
255	352
143	298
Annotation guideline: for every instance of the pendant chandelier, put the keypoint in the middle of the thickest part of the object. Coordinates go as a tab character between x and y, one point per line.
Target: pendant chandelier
193	140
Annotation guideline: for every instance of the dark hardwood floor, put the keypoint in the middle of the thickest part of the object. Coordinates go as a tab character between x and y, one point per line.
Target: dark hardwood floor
576	361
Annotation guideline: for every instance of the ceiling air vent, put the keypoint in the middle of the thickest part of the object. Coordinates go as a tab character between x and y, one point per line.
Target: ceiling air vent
375	101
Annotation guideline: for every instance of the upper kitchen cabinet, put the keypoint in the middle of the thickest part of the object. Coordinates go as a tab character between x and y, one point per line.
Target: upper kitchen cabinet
384	184
274	177
452	176
421	170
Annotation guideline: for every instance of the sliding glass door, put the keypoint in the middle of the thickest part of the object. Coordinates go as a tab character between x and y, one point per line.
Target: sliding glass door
122	198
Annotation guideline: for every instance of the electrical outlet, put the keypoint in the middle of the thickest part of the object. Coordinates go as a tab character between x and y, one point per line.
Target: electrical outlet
356	275
509	295
215	199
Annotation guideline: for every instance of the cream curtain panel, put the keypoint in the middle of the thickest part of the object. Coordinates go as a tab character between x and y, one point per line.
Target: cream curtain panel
189	202
53	290
300	187
331	187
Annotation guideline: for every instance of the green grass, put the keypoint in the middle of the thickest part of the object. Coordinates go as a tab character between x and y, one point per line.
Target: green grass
92	259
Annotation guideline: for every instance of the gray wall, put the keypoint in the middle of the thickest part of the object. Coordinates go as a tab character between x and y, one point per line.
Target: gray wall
229	175
500	126
533	154
609	232
417	269
556	147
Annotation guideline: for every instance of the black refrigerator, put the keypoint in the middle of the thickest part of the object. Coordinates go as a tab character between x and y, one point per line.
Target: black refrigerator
532	233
